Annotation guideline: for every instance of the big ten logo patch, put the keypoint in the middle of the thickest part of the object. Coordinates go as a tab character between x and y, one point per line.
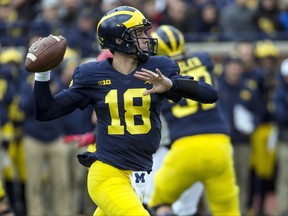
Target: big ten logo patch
104	82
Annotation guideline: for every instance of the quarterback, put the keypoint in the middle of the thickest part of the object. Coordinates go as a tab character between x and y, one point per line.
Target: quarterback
126	92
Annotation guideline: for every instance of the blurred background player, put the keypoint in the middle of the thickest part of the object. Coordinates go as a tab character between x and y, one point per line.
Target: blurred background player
237	102
264	138
201	149
6	96
188	202
12	73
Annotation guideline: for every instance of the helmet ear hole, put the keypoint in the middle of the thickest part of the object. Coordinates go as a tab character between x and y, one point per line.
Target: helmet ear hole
118	41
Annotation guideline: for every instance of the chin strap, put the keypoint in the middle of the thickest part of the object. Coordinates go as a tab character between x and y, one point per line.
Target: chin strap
142	57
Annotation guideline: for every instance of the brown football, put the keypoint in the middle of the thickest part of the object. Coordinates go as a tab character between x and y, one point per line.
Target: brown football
45	54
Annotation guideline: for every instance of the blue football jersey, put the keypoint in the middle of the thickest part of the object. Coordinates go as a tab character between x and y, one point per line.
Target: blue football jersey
189	117
128	127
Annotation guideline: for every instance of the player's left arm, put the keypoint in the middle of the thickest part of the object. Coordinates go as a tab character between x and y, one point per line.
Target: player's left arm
178	87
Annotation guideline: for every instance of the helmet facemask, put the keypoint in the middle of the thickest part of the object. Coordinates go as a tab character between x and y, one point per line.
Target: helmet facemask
133	36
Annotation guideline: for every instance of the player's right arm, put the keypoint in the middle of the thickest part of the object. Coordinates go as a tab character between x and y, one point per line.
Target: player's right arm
47	106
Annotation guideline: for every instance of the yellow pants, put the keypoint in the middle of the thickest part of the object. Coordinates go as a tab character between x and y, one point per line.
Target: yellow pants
2	191
263	159
17	165
207	158
111	190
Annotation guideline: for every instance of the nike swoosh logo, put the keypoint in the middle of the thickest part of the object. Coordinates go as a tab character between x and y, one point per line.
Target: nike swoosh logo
36	45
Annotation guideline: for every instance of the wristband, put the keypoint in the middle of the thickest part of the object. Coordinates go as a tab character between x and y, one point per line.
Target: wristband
174	85
42	77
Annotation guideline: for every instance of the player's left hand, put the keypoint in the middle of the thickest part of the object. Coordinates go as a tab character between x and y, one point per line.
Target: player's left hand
158	80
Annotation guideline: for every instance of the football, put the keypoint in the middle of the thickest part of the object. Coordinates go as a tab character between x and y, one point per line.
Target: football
45	54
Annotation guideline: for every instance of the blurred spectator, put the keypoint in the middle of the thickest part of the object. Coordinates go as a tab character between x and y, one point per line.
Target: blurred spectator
267	55
263	140
238	100
7	91
82	37
253	77
107	5
262	158
281	114
15	171
47	20
12	29
68	10
207	22
151	12
179	14
27	9
267	18
5	208
252	74
223	3
237	21
208	18
96	8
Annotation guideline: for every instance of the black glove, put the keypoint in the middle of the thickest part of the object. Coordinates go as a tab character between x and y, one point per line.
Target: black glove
86	159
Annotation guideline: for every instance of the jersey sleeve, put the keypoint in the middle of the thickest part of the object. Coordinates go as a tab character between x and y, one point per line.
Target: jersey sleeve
48	106
170	69
77	88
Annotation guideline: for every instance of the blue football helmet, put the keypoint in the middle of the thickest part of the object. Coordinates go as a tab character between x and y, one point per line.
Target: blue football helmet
125	22
170	41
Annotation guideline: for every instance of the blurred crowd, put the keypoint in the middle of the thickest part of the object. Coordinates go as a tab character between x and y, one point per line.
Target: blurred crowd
40	171
199	20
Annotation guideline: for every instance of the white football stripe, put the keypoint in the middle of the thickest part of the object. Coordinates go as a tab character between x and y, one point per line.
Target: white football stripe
56	38
31	56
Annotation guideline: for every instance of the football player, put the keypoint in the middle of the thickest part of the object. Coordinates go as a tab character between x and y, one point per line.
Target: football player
264	138
126	92
5	208
201	149
6	96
